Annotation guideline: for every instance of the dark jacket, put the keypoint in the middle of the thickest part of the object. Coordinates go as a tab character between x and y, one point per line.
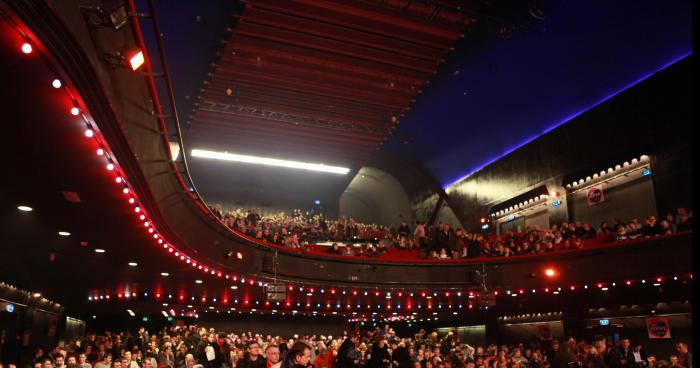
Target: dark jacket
400	355
245	362
380	357
346	354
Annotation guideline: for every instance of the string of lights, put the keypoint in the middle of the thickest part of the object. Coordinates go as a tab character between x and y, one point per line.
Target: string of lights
30	47
465	301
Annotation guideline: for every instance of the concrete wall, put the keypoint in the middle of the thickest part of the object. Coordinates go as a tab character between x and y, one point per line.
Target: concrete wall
374	196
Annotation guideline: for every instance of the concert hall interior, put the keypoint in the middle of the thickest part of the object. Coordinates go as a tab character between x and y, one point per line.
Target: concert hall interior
346	184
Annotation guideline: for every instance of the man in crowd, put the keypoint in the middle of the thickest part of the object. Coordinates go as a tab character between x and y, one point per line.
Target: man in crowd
272	356
347	355
684	357
252	358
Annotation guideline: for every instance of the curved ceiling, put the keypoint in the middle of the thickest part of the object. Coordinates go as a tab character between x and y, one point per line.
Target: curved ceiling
493	96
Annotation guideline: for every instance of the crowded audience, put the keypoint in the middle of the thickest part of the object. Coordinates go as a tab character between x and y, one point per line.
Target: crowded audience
198	347
441	241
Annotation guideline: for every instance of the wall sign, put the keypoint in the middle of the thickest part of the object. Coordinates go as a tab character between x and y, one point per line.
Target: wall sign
595	195
658	328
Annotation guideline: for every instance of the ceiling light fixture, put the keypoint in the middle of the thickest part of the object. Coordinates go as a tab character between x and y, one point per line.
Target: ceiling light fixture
99	250
133	264
131	313
63	233
164	274
25	208
225	156
198	281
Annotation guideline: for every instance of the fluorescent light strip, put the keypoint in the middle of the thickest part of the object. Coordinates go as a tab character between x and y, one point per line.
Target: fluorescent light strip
225	156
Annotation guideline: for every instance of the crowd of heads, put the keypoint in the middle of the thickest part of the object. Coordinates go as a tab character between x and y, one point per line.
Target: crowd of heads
300	230
297	230
198	347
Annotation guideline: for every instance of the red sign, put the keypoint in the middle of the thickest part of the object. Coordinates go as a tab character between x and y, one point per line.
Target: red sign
658	328
545	332
595	195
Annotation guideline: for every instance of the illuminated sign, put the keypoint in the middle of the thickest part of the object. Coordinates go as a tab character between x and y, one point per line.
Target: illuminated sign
646	172
318	201
510	217
604	322
556	203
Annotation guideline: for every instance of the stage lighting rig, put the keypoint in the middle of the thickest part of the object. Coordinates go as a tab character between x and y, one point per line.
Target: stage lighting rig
110	13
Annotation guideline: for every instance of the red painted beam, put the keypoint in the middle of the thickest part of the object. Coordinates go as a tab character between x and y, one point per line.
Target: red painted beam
247	96
384	24
334	47
265	48
333	75
295	109
302	84
340	33
238	122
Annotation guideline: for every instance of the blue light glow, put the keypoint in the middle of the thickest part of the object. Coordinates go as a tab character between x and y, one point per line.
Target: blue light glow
556	203
318	201
569	118
604	322
646	172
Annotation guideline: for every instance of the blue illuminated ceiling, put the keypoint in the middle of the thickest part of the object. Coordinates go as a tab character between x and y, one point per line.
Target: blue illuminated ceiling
492	95
496	95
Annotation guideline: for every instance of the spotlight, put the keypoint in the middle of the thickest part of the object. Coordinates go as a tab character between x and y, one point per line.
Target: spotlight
56	83
136	61
74	111
25	208
550	272
239	255
89	133
100	152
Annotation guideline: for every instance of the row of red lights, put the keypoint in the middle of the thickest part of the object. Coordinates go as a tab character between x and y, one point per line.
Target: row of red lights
112	166
396	305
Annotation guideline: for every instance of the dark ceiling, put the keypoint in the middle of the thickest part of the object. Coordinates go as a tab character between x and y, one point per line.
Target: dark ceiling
321	80
339	69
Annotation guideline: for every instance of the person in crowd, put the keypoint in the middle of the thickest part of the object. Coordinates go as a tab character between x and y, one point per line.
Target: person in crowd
106	361
379	355
650	228
59	361
298	356
622	356
334	249
399	355
272	356
684	355
252	358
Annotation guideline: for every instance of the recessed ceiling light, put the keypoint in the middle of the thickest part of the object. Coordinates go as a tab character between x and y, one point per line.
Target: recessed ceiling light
234	287
99	250
133	264
25	208
63	233
37	295
164	274
198	281
131	313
